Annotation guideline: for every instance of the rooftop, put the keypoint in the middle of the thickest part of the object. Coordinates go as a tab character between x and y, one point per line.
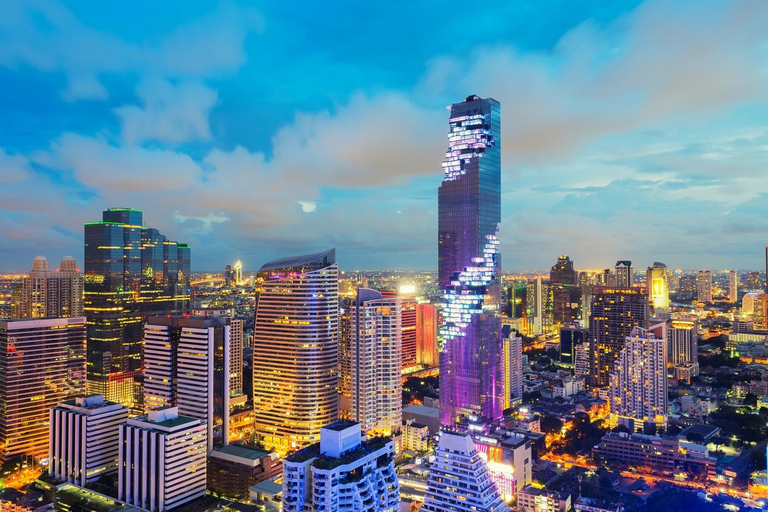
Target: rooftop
315	261
242	452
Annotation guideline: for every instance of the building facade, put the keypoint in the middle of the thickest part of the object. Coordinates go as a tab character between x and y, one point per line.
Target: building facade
624	274
704	286
295	349
233	469
342	473
566	293
469	266
657	282
426	335
683	340
84	442
459	479
42	363
131	272
47	293
162	460
733	286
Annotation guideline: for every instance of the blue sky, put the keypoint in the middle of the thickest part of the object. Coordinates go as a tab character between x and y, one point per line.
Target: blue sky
255	130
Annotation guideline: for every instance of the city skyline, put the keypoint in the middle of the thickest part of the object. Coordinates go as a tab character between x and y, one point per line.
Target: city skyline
609	109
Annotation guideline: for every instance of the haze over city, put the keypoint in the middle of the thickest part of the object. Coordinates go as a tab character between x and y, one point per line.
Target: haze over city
249	131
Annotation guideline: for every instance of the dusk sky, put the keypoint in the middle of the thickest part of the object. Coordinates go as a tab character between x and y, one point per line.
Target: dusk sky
256	130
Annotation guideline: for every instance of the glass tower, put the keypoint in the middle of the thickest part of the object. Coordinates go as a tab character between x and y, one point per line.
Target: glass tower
131	273
469	266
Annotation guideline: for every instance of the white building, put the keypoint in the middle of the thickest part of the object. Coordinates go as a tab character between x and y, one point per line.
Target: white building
187	364
375	347
581	360
162	460
84	438
568	387
342	473
638	383
460	480
415	436
535	499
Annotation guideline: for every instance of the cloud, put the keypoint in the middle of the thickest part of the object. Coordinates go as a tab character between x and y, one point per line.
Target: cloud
47	36
308	206
171	113
13	168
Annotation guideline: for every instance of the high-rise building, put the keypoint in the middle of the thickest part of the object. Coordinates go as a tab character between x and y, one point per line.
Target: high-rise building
162	460
615	312
84	439
50	294
342	473
234	468
42	363
426	335
295	349
229	276
187	365
238	272
657	281
459	479
639	379
733	290
753	281
683	340
131	273
566	293
375	362
344	378
515	365
704	286
625	276
409	335
469	266
571	336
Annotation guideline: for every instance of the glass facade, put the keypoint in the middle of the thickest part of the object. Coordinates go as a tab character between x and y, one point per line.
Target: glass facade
131	272
469	265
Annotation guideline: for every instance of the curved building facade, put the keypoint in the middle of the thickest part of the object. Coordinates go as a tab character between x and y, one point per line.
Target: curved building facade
295	350
469	266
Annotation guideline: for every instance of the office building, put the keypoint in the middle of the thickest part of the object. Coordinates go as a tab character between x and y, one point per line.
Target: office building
186	365
614	313
733	287
83	443
704	286
566	293
162	460
344	378
754	282
295	349
46	293
342	473
238	272
233	469
229	276
42	363
426	335
515	371
540	499
625	276
375	359
459	479
469	267
683	340
131	272
657	282
571	336
638	394
236	345
409	336
508	455
582	361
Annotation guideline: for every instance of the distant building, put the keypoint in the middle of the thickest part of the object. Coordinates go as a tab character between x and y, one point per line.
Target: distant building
409	336
162	460
685	372
459	479
625	276
571	336
733	287
515	365
238	272
683	340
566	294
295	349
229	276
704	286
539	499
42	363
657	281
47	293
233	469
639	379
342	473
753	281
84	440
426	335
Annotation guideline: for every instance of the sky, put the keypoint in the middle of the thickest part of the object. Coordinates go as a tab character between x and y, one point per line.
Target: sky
256	130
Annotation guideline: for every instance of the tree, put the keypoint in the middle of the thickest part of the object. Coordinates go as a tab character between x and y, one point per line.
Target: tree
551	424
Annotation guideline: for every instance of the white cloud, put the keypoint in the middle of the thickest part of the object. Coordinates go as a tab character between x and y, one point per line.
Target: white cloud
13	168
308	206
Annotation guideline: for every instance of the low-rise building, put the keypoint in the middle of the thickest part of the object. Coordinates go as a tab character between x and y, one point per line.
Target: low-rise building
509	459
415	436
686	372
233	469
537	499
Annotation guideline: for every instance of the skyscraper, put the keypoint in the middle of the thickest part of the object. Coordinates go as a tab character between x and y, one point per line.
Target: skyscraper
566	293
624	274
469	266
131	272
375	362
683	340
459	479
187	365
615	312
515	365
639	379
704	286
426	335
50	294
733	290
409	335
42	363
295	349
657	281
